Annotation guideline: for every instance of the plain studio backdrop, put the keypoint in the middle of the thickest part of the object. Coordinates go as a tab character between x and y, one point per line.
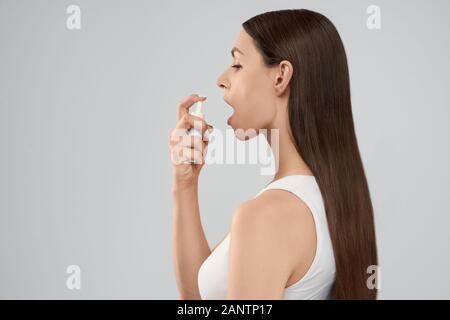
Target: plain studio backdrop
85	172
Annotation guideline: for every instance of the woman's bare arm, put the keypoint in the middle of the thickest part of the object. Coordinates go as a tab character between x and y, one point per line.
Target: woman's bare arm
190	247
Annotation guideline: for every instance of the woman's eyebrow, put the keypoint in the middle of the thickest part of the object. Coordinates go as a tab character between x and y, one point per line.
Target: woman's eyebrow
237	50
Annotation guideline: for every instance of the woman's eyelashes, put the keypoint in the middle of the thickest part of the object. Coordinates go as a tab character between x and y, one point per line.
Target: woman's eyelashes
236	66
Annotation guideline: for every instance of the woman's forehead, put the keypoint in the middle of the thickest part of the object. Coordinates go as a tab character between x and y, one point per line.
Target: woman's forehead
244	43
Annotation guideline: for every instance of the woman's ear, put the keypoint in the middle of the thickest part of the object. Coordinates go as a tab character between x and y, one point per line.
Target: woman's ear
283	76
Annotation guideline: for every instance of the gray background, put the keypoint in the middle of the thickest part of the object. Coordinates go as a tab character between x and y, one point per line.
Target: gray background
85	171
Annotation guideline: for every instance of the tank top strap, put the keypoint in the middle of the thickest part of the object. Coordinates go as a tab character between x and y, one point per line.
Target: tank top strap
293	183
304	187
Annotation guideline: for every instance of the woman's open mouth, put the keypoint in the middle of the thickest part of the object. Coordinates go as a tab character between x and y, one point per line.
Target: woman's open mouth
231	116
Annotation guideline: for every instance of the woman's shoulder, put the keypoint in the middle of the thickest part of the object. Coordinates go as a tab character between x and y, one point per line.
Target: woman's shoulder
275	225
274	206
278	215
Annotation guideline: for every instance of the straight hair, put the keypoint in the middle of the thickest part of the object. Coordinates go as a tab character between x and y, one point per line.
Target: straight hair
322	128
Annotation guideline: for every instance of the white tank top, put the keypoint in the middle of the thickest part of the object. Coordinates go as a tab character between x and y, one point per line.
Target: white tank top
318	280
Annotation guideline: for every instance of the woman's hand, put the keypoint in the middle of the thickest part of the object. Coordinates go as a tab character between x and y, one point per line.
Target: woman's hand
185	149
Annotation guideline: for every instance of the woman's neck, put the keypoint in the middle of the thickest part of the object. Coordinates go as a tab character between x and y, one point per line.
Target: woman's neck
287	159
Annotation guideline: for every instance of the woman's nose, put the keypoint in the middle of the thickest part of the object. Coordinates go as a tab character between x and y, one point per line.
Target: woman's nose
221	83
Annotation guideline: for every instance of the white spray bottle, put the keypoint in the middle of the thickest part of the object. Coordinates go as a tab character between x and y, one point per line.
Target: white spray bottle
198	112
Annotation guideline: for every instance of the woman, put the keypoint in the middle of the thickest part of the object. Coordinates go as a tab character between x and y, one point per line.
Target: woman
310	233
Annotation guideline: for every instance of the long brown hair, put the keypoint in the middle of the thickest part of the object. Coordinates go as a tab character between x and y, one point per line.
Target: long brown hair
321	122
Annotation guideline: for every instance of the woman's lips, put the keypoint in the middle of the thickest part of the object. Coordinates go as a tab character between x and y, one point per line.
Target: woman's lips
229	118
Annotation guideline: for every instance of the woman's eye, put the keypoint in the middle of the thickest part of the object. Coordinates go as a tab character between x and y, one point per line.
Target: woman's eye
237	66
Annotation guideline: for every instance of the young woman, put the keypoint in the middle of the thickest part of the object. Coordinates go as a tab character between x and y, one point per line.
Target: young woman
309	234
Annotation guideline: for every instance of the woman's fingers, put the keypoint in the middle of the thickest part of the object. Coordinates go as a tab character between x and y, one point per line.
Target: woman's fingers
193	142
186	148
188	121
181	144
178	135
187	155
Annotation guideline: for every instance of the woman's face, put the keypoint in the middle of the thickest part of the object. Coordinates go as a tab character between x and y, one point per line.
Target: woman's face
248	87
